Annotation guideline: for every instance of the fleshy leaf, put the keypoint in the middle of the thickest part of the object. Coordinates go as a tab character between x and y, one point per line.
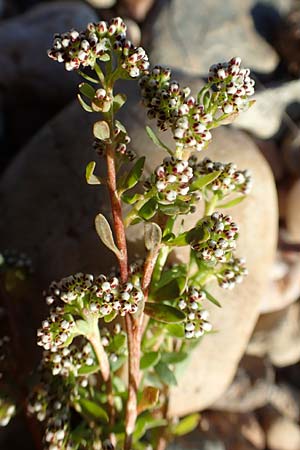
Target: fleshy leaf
87	90
146	422
156	140
149	359
204	180
164	313
93	409
171	274
186	425
105	234
149	209
176	330
101	130
119	101
165	374
84	105
152	236
88	370
134	174
231	203
91	178
212	299
130	199
173	357
149	398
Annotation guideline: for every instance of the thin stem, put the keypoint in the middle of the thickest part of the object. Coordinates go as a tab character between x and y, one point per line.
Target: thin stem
210	205
95	340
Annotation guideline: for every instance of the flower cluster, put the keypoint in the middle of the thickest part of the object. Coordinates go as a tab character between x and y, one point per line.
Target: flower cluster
223	233
234	84
57	330
99	41
7	411
232	272
68	360
196	322
230	179
172	180
102	101
174	108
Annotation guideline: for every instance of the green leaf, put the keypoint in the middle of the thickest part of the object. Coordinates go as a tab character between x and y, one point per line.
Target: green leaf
130	199
134	174
101	130
171	274
152	236
164	313
179	207
168	292
84	105
104	57
119	101
117	343
149	398
87	90
156	140
149	359
212	299
179	241
105	234
186	425
206	100
93	409
165	374
149	209
91	178
173	357
115	365
198	234
120	126
231	203
146	422
110	317
176	330
88	370
200	182
87	77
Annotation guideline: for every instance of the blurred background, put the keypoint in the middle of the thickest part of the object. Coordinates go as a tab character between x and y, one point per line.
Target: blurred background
249	392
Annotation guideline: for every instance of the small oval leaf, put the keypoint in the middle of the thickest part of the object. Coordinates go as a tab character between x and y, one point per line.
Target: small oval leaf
164	313
149	209
149	359
91	178
87	90
204	180
152	236
149	398
105	234
84	105
101	130
186	425
134	174
119	101
156	140
93	409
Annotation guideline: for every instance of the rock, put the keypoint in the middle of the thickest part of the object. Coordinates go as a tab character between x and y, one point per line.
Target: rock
134	32
278	336
281	432
271	152
55	214
137	9
293	212
264	118
101	4
202	33
287	42
34	87
290	147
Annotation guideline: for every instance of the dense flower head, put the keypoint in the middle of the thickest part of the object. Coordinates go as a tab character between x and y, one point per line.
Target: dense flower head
229	180
175	108
232	272
223	233
57	330
172	180
67	361
98	42
196	322
234	83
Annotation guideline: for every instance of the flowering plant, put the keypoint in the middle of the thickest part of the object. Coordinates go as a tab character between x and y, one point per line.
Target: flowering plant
112	342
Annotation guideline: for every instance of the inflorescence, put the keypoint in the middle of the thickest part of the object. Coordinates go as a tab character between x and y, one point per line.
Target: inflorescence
196	322
99	42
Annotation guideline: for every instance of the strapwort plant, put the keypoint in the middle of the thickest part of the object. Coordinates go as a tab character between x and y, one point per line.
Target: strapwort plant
113	342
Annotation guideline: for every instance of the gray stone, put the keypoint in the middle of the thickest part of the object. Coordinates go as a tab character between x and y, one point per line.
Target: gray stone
51	217
193	35
281	432
293	212
277	335
34	88
265	117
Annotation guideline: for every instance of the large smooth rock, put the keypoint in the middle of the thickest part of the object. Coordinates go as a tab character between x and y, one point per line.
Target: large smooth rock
265	117
48	211
193	35
34	88
293	212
